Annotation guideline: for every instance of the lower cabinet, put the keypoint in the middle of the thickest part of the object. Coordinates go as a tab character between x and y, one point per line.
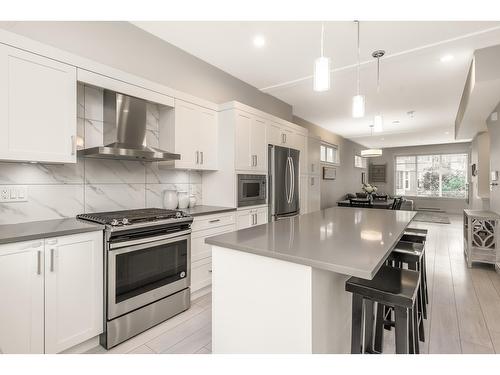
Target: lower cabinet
201	253
51	292
251	217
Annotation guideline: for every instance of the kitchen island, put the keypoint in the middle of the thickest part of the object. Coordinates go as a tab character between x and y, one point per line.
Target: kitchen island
280	287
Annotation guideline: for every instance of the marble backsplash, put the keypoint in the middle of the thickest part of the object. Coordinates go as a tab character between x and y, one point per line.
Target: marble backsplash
92	185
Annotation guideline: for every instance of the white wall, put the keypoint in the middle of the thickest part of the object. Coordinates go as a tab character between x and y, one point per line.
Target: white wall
479	184
388	157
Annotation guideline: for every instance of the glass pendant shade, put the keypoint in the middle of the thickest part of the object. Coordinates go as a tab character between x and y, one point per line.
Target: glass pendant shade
371	153
358	106
378	124
322	74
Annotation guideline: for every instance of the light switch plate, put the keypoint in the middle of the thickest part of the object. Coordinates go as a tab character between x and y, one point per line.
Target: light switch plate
13	193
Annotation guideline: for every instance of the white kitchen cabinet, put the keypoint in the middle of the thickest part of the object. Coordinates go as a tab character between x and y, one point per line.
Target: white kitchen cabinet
37	108
51	292
313	193
279	135
313	155
21	296
251	217
191	131
250	143
201	274
73	290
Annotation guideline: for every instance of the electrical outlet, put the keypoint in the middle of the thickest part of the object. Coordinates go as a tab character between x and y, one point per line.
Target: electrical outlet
13	193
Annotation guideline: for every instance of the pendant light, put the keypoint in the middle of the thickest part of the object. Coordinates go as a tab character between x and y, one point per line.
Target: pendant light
322	68
378	120
358	101
371	152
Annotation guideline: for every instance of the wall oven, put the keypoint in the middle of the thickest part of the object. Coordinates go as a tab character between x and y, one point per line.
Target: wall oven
251	189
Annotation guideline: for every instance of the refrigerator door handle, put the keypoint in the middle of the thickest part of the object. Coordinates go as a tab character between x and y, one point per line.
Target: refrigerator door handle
290	193
287	170
293	179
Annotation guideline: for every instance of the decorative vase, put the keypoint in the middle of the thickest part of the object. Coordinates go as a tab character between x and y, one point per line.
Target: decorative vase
183	197
170	200
192	201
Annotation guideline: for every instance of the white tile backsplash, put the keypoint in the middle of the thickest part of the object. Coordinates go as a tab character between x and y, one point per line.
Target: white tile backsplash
103	171
111	197
45	202
93	103
93	185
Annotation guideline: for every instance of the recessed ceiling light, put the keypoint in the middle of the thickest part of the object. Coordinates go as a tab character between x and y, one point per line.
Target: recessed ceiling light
447	58
259	41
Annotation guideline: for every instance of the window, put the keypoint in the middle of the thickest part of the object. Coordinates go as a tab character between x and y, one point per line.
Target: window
329	153
359	162
432	175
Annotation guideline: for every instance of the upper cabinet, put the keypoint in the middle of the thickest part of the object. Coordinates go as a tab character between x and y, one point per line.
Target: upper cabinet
282	135
191	131
250	142
37	108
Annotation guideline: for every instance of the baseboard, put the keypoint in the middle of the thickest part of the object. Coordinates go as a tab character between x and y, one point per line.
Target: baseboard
201	292
430	209
83	347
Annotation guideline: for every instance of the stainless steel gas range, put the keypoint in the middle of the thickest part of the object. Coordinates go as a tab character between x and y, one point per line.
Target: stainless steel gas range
147	269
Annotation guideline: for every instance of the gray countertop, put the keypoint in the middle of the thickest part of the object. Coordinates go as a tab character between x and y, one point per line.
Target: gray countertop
206	210
351	241
43	229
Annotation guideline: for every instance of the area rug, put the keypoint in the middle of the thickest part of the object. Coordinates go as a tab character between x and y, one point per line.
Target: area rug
431	217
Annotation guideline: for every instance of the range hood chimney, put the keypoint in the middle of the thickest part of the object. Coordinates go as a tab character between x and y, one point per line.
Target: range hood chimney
124	132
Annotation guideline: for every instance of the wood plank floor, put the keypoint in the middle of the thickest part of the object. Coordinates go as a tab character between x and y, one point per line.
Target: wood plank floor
463	316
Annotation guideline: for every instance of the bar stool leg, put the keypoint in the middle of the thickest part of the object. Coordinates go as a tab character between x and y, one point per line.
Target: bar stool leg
424	270
368	326
357	323
379	329
402	328
416	330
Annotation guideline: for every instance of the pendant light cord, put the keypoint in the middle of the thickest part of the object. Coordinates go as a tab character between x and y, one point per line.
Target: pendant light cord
378	75
322	36
357	81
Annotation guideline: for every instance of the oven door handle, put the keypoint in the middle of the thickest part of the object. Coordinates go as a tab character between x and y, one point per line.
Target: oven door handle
143	243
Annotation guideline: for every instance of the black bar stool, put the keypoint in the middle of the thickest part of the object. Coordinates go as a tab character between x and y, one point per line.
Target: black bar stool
393	287
409	254
419	236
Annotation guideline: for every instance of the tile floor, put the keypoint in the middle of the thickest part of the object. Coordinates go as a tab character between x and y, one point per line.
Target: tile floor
464	309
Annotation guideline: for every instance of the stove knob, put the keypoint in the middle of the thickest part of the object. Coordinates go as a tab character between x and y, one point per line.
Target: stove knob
178	214
115	222
125	221
183	274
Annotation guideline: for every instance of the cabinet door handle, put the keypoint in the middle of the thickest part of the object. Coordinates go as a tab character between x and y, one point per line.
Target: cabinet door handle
52	251
312	167
256	160
201	153
312	181
73	145
285	137
214	221
39	262
197	157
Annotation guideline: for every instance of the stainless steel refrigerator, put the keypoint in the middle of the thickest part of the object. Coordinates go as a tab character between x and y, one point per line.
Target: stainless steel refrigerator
283	182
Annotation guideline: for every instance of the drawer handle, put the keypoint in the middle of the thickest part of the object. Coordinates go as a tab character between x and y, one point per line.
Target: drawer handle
214	221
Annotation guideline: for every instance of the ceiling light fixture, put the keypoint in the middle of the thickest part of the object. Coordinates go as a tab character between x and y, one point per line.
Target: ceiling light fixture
322	68
259	41
358	101
378	121
447	58
371	152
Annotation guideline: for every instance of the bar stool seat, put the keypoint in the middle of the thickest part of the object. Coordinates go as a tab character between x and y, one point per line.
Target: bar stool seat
394	287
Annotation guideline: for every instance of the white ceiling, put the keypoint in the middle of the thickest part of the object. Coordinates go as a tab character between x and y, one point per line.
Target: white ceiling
412	76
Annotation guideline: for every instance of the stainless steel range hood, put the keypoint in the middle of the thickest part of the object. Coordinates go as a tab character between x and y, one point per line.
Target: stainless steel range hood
124	132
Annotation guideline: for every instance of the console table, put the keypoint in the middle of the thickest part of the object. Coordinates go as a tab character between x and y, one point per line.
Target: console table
481	237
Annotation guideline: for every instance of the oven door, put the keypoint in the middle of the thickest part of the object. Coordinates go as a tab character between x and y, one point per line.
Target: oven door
140	274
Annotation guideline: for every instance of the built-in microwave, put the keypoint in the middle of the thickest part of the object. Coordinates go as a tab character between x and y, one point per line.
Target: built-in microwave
251	189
